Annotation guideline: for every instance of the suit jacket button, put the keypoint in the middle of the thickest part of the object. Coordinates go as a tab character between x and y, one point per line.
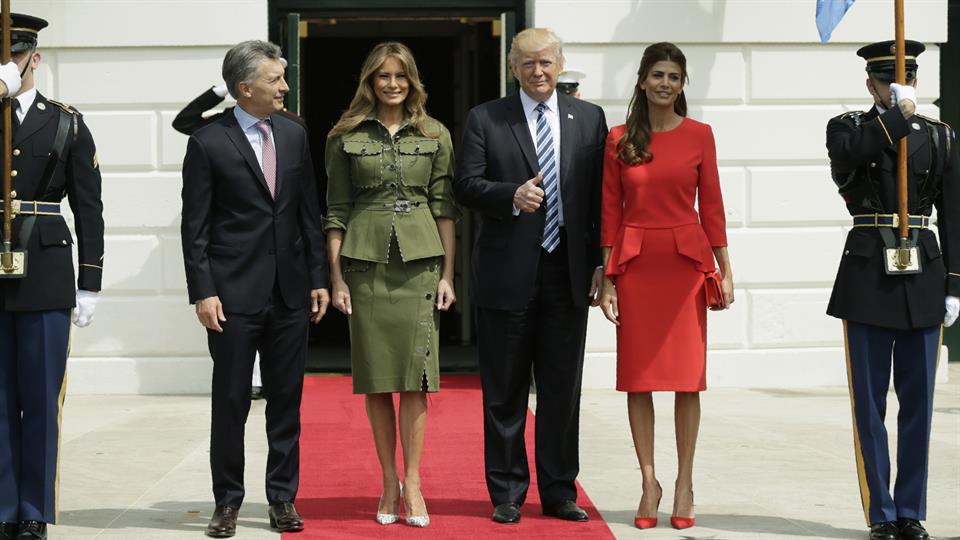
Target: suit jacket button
64	242
13	172
16	151
873	164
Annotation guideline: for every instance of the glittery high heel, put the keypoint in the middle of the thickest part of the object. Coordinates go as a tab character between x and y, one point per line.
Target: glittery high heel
389	519
416	521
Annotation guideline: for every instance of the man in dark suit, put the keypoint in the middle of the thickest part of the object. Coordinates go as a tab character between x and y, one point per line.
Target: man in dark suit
531	167
892	310
53	157
256	270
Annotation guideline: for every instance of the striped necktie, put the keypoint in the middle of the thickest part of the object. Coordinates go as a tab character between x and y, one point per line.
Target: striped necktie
546	156
269	156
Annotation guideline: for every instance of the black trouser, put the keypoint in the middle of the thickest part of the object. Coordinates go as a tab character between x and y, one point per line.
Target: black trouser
550	335
280	334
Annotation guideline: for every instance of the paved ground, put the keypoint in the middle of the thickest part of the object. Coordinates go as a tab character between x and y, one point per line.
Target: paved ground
770	465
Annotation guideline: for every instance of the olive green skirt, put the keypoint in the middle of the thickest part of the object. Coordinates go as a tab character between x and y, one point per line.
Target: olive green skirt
393	328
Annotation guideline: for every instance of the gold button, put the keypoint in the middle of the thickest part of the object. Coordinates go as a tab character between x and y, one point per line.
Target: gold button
13	194
16	151
13	172
64	242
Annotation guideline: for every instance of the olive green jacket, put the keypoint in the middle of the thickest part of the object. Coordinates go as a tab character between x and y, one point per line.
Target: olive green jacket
378	185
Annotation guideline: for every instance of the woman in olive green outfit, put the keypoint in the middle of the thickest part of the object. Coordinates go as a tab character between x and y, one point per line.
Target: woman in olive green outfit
390	232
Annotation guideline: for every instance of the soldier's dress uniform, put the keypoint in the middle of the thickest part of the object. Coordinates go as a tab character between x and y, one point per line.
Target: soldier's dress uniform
894	314
52	146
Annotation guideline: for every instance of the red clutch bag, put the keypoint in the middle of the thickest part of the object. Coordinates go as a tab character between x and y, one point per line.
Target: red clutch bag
713	290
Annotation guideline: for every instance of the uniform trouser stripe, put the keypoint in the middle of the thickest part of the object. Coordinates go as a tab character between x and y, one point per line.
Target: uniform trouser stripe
858	451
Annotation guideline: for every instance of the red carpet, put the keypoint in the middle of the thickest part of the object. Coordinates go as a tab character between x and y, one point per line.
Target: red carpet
340	478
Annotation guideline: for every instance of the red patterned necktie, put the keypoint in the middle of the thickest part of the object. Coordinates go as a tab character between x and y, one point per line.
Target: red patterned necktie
268	156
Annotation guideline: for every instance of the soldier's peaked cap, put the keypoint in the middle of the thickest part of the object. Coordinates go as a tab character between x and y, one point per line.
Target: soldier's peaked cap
881	58
23	31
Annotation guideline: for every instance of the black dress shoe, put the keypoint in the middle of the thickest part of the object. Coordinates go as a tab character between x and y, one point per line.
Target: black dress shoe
223	524
32	530
886	530
567	510
911	529
256	392
8	531
508	513
284	517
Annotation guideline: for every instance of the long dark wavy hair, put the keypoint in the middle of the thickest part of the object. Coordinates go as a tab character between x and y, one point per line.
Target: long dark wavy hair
633	146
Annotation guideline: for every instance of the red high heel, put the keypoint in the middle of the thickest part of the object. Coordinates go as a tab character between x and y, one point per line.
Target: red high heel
648	522
683	522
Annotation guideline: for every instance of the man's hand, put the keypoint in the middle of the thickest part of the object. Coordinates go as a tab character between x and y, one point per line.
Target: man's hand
210	313
529	196
86	305
319	300
952	306
905	97
9	79
596	284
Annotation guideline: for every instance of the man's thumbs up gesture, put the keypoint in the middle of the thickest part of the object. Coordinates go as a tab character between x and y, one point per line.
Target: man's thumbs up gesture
529	196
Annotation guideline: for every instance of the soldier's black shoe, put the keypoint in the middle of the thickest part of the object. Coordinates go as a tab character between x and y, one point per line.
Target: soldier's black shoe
567	510
911	529
284	517
223	524
32	530
508	513
8	531
886	530
256	392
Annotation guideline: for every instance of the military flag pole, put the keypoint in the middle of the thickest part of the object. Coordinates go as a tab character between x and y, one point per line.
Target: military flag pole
7	248
901	76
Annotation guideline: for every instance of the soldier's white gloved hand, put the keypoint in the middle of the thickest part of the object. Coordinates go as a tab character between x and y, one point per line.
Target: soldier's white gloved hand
86	305
10	75
903	91
953	310
220	90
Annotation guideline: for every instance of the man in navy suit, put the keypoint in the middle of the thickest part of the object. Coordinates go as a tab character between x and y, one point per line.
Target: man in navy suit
531	167
256	270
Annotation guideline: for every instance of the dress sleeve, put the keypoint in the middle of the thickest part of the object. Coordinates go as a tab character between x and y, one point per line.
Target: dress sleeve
611	211
712	216
339	192
442	202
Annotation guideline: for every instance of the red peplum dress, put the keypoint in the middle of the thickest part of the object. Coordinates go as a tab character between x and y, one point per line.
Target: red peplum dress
660	250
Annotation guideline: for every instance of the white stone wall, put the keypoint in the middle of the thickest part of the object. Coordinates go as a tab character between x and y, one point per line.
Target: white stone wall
762	79
759	77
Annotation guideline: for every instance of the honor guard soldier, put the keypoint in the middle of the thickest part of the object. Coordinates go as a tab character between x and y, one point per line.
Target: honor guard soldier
891	305
569	82
53	157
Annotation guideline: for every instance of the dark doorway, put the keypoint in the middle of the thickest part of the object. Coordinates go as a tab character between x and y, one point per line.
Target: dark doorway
459	53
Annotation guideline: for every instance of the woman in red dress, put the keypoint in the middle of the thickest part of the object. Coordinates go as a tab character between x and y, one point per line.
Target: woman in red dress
657	251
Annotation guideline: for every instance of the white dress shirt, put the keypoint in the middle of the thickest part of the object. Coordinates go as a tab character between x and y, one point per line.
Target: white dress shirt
553	120
26	100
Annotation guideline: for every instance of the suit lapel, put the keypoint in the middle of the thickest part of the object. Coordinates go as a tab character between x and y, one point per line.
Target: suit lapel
239	139
39	114
567	131
521	130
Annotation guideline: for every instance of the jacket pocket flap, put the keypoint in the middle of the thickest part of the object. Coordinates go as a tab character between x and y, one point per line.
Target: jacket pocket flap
860	246
929	243
417	147
362	148
54	233
220	249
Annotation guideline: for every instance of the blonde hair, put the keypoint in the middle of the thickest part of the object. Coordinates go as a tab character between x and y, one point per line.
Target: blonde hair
534	40
364	101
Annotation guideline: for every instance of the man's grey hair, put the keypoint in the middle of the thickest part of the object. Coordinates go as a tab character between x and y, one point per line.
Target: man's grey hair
242	61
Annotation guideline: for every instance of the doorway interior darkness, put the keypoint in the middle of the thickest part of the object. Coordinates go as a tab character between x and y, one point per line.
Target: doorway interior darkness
459	54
